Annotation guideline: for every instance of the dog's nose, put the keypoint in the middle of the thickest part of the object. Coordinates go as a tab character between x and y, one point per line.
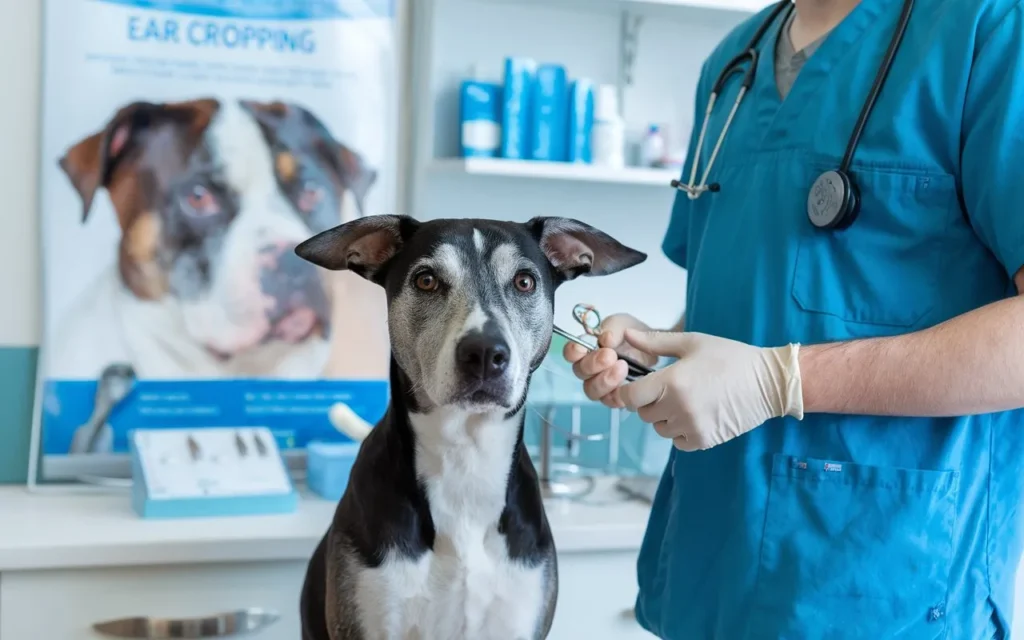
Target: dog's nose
482	356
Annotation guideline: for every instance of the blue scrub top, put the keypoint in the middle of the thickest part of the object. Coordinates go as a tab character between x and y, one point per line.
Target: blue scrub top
852	526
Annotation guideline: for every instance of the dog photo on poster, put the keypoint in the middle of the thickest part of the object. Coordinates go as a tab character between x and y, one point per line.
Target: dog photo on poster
187	148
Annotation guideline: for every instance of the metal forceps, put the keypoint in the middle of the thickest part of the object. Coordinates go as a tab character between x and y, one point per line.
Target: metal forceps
590	320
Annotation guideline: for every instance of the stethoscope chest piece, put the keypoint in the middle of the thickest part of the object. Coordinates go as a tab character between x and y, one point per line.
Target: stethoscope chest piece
832	202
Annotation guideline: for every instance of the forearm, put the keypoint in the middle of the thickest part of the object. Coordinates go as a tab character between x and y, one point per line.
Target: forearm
968	365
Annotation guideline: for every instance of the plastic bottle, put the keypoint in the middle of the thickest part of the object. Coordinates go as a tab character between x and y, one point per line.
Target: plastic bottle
652	153
480	107
608	134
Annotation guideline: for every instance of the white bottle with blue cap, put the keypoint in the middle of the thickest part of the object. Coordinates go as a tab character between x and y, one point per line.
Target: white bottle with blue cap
480	108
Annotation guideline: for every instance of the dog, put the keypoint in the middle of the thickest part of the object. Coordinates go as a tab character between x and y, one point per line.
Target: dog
211	198
441	533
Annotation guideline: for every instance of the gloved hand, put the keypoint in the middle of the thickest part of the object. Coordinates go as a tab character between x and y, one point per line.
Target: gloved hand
718	389
601	370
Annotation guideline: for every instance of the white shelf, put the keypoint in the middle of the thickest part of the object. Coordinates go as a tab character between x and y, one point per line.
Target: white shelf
556	171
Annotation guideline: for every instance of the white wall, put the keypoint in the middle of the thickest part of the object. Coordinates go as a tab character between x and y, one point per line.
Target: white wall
19	161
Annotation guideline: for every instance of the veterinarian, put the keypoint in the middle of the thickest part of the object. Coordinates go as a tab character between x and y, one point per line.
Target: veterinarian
844	399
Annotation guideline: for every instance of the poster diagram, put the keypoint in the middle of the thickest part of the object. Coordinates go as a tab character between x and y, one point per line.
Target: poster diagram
187	148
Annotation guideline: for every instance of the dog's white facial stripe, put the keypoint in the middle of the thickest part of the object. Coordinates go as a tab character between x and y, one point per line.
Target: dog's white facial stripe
478	241
475	320
507	261
447	260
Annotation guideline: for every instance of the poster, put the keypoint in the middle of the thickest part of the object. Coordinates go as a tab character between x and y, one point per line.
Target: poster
187	147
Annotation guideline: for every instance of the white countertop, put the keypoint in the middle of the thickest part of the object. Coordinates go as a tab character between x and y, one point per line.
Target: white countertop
46	531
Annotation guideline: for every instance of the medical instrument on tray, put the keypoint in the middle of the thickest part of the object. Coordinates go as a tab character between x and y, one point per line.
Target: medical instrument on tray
590	319
833	201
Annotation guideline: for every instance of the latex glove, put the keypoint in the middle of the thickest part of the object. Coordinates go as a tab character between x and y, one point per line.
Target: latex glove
601	370
717	390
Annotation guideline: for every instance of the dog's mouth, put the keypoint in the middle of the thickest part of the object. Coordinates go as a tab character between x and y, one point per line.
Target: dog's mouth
483	396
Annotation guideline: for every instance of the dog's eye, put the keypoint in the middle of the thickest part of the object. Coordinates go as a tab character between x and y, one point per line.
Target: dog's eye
524	282
200	202
426	281
310	196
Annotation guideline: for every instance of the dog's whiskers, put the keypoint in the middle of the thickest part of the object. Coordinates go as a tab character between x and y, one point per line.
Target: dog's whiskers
416	386
559	373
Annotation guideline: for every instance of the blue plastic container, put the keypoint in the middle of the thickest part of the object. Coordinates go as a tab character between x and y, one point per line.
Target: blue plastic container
328	466
581	121
516	99
549	114
480	106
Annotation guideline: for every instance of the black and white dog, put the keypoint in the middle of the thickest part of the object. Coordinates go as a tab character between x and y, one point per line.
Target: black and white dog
441	533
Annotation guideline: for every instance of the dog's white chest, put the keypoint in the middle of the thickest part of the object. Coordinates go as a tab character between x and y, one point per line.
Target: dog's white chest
467	587
452	594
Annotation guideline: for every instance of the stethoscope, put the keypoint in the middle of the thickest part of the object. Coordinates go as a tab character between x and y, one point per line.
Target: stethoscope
834	201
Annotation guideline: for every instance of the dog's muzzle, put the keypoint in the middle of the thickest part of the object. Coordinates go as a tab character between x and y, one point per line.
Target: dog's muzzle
300	302
482	360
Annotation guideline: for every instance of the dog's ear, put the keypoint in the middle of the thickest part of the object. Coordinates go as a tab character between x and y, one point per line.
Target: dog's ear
361	246
84	166
90	163
577	249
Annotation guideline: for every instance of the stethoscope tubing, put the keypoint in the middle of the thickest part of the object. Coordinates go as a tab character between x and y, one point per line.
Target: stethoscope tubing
750	57
876	87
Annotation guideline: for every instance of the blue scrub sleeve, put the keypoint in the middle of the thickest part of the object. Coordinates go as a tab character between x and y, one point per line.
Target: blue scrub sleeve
992	154
676	239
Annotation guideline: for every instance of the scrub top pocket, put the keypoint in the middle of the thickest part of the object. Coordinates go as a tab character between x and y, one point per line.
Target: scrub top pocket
854	551
885	269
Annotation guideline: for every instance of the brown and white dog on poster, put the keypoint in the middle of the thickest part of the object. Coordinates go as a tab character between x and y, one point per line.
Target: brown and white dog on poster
211	197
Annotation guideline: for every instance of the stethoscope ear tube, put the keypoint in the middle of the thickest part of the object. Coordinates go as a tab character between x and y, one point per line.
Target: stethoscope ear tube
751	56
876	86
